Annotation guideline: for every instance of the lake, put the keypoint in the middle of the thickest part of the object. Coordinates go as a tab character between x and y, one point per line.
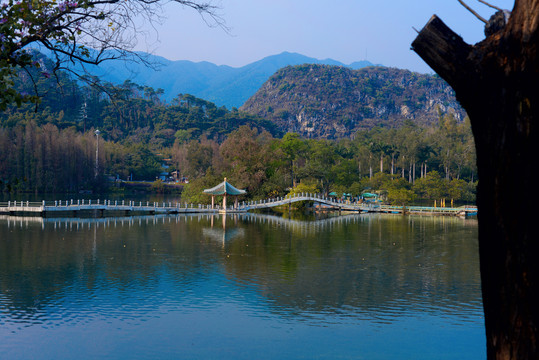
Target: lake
247	286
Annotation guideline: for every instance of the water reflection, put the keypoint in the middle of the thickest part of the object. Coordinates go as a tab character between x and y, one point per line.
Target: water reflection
336	270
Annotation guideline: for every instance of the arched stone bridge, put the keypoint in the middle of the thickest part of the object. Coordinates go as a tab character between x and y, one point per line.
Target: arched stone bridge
331	203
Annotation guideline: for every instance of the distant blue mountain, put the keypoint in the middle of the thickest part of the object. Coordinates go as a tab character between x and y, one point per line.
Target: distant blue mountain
222	85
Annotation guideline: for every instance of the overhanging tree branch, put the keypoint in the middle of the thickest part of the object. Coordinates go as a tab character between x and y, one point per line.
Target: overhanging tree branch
79	31
490	5
472	11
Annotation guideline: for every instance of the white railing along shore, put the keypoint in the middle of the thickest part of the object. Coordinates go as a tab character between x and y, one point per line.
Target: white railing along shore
12	207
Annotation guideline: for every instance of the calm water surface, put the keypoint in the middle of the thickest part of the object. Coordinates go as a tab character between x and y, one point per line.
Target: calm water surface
240	287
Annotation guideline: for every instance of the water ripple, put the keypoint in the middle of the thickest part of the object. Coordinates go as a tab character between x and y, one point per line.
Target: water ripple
158	289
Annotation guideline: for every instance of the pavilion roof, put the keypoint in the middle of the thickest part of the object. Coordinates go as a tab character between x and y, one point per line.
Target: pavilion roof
224	188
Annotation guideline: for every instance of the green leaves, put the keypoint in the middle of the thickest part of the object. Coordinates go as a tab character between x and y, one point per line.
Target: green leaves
76	31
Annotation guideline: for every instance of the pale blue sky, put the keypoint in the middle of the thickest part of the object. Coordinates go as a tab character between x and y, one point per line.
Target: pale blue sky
345	30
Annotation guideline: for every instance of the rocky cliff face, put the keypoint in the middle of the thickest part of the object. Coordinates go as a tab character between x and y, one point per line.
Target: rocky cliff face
321	101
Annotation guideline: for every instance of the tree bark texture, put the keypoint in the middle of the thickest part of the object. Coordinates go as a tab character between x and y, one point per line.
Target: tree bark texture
497	82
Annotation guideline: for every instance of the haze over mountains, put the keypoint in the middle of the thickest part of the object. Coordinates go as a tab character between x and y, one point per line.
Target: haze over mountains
221	84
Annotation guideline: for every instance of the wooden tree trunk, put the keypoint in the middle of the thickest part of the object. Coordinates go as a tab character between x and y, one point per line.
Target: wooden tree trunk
497	82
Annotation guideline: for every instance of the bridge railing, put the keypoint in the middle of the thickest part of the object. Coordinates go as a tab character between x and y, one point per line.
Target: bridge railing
265	203
88	204
20	203
101	203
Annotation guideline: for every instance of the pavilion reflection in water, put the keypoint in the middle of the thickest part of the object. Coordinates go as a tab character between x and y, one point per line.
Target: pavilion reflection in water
223	234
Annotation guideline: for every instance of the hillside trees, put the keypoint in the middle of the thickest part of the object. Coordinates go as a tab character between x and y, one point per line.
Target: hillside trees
341	101
496	82
129	112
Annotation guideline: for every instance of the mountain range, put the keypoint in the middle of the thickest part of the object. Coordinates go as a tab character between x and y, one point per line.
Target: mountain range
221	84
317	98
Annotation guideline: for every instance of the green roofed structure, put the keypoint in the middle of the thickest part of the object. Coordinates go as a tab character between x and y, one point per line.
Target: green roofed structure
224	188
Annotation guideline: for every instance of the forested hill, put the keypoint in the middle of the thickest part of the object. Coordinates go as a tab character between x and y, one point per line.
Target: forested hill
128	112
322	101
53	148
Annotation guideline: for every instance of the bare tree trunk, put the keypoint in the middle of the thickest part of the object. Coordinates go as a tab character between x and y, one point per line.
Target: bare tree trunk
381	163
496	81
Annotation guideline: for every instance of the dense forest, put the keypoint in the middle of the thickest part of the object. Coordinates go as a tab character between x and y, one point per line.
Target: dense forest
402	165
52	148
